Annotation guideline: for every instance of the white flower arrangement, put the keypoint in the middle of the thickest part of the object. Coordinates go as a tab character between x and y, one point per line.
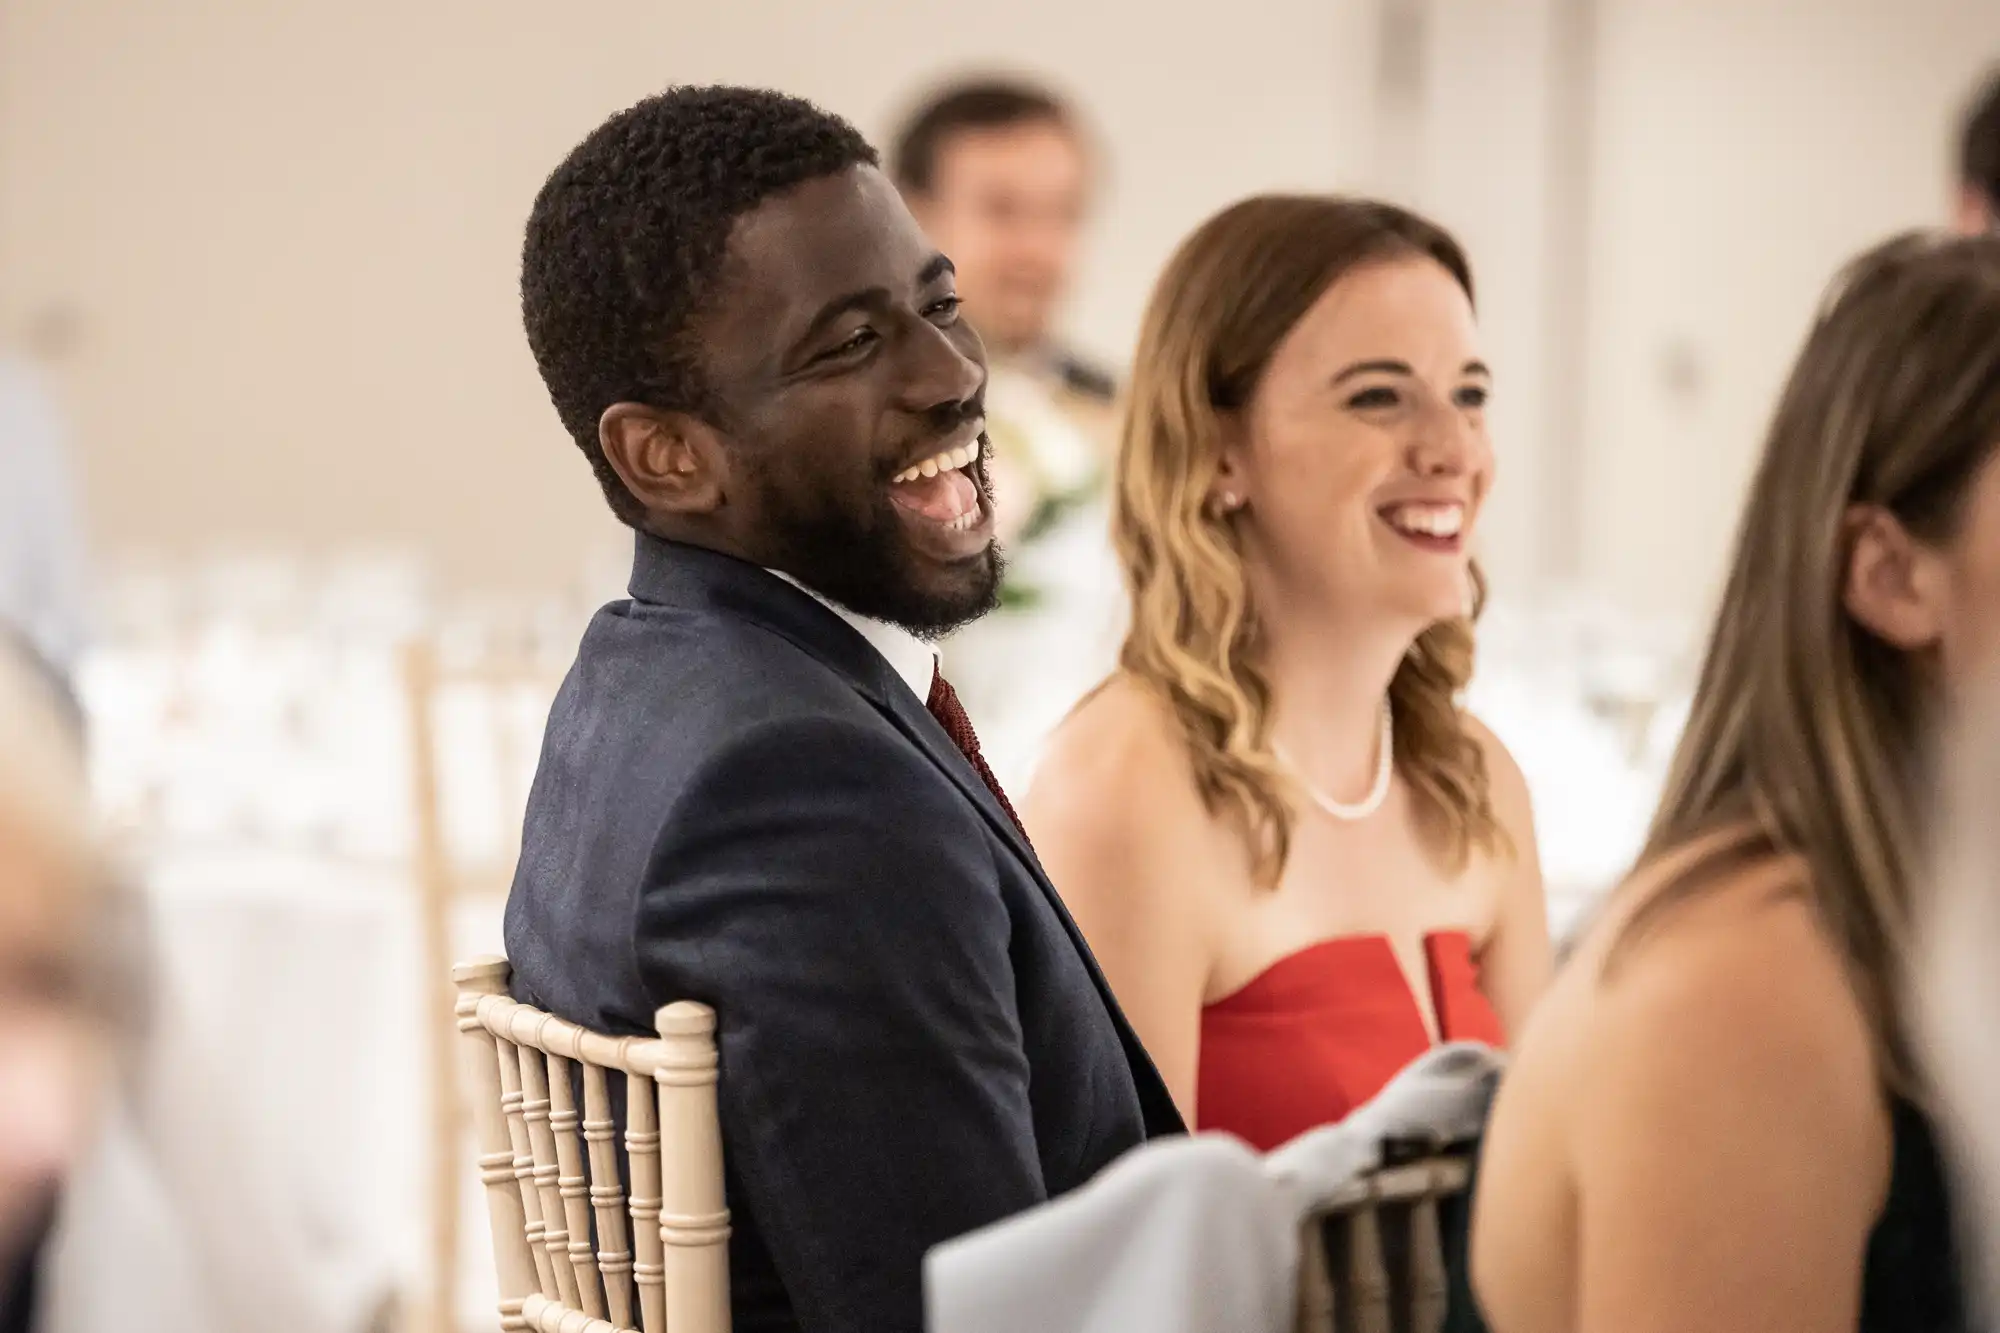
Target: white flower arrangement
1045	465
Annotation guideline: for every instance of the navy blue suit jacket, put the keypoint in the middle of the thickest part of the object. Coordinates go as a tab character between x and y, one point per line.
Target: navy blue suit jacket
740	803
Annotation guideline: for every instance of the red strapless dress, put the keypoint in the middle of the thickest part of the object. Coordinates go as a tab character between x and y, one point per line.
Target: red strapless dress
1321	1031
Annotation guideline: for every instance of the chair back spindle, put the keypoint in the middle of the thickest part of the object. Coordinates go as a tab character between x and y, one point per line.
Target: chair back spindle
504	696
555	1198
574	1187
694	1223
607	1201
1371	1259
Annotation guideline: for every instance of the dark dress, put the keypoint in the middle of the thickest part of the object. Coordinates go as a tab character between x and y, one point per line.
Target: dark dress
1910	1280
20	1276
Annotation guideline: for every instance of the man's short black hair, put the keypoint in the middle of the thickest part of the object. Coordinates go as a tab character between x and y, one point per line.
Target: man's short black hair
973	104
627	238
1979	145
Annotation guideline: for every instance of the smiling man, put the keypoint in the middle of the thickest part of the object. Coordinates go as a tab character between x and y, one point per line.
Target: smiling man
755	790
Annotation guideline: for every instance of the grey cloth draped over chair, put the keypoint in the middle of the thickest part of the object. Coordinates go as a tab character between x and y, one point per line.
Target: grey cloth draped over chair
1194	1235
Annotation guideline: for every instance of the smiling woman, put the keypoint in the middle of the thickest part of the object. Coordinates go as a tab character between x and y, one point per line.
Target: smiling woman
1718	1120
1299	860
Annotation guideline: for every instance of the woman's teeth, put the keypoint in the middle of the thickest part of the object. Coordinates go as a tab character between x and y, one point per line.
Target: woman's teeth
1427	520
951	460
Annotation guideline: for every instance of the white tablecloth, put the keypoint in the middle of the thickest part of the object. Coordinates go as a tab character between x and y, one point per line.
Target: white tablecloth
288	986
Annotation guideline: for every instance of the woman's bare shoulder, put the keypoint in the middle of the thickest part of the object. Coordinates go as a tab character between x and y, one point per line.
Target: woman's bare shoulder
1114	814
1742	948
1735	992
1120	752
1699	1102
1114	796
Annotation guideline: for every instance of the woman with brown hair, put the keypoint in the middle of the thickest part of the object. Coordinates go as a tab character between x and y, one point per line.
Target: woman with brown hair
1297	858
1715	1121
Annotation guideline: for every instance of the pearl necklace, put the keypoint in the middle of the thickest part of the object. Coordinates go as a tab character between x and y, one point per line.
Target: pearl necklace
1385	765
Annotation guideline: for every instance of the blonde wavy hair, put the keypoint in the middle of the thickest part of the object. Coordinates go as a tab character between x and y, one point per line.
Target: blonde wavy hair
1809	736
1228	297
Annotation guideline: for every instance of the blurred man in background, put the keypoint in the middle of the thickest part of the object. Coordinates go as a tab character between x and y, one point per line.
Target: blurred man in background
1979	162
1000	174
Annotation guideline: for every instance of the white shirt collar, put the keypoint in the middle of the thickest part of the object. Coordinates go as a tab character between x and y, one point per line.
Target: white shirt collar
912	659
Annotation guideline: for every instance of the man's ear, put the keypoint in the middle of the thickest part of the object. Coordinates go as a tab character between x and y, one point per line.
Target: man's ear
1975	214
1894	584
672	462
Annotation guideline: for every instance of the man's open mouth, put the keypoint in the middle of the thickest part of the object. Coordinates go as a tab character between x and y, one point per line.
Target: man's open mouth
941	488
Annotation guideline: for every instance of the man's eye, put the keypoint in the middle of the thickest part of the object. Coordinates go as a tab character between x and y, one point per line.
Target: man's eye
854	342
946	308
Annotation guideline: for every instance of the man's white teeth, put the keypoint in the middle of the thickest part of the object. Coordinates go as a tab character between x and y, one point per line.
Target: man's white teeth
949	461
963	522
1429	520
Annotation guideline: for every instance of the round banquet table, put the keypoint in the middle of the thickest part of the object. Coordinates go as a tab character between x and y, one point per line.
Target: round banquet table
272	1135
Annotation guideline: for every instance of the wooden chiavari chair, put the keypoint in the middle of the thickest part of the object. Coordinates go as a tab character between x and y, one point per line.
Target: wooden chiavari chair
506	695
1371	1258
567	1260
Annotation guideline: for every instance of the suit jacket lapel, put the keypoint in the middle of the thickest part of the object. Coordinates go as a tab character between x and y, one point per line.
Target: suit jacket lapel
688	576
924	729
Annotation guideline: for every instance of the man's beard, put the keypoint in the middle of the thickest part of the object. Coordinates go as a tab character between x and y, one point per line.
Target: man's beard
856	557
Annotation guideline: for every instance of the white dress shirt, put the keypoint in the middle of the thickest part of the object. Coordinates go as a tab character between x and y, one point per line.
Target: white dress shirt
912	659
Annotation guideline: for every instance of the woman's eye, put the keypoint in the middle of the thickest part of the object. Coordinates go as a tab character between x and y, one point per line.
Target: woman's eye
1376	397
1474	396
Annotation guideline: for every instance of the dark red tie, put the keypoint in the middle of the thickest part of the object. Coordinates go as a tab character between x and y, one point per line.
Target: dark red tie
950	713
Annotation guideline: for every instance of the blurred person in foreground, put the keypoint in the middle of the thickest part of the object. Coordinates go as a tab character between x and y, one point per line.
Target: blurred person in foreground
131	1194
1716	1120
757	790
1301	862
53	1034
1979	161
1001	175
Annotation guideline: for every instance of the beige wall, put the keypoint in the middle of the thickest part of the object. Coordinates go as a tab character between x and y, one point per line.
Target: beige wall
289	232
1743	150
1478	157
